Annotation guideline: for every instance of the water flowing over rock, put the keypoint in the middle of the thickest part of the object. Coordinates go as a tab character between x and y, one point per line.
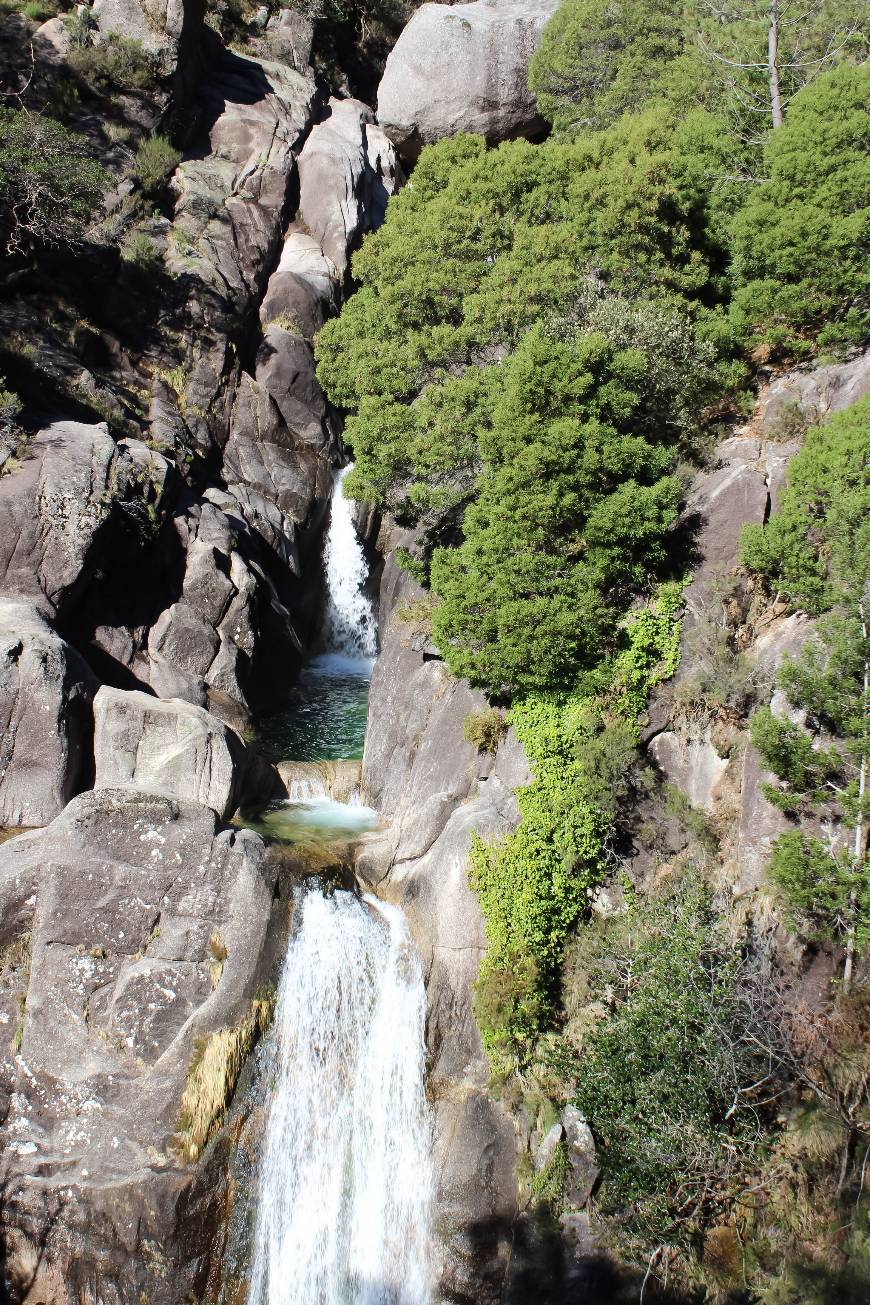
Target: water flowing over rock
463	68
346	1179
351	627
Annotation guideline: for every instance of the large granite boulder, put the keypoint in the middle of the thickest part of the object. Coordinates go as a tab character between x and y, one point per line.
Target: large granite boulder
133	929
463	68
433	790
46	725
347	172
178	749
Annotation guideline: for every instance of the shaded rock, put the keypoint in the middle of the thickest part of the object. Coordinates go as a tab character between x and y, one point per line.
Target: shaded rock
177	749
347	172
691	765
45	717
59	511
122	894
463	68
52	41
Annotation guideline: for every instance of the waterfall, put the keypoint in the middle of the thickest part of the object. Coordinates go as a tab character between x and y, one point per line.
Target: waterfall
346	1180
351	628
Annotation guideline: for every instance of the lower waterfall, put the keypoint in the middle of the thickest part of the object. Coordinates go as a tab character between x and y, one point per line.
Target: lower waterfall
346	1177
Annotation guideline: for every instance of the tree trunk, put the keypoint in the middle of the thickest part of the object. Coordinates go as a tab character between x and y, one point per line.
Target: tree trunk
772	65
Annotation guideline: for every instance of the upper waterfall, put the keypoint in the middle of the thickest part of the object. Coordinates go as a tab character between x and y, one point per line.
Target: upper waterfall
351	625
346	1181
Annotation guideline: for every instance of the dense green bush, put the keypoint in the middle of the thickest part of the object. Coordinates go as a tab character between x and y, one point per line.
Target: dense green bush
569	518
599	59
535	884
800	241
155	161
672	1073
50	183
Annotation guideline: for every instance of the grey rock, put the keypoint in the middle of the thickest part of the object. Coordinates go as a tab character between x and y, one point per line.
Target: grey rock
52	41
546	1148
813	393
177	749
759	822
463	68
583	1169
157	24
45	717
692	765
303	289
59	511
124	892
347	171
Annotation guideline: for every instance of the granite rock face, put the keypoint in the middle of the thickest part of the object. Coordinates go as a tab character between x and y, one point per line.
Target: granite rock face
434	789
106	922
462	68
46	725
175	748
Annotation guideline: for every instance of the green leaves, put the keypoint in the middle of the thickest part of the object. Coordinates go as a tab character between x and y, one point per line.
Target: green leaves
800	242
50	182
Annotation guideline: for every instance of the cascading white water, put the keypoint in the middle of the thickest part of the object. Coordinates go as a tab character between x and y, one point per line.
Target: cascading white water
351	627
346	1182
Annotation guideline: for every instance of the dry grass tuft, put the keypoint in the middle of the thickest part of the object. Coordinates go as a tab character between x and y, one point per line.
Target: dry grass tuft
212	1076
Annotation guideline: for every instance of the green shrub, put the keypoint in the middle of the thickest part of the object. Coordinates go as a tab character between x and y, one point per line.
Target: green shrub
800	268
598	60
10	406
118	62
668	1072
485	729
534	884
140	251
155	161
50	183
38	12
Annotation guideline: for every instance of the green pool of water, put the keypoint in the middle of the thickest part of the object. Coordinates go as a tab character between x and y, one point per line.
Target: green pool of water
325	719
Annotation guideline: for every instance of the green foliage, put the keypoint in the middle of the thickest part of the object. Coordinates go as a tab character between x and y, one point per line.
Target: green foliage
50	183
10	406
482	244
800	268
666	1071
485	729
140	252
569	519
828	892
535	883
816	549
599	59
155	161
118	62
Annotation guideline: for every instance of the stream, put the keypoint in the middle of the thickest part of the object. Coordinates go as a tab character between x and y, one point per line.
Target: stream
344	1182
